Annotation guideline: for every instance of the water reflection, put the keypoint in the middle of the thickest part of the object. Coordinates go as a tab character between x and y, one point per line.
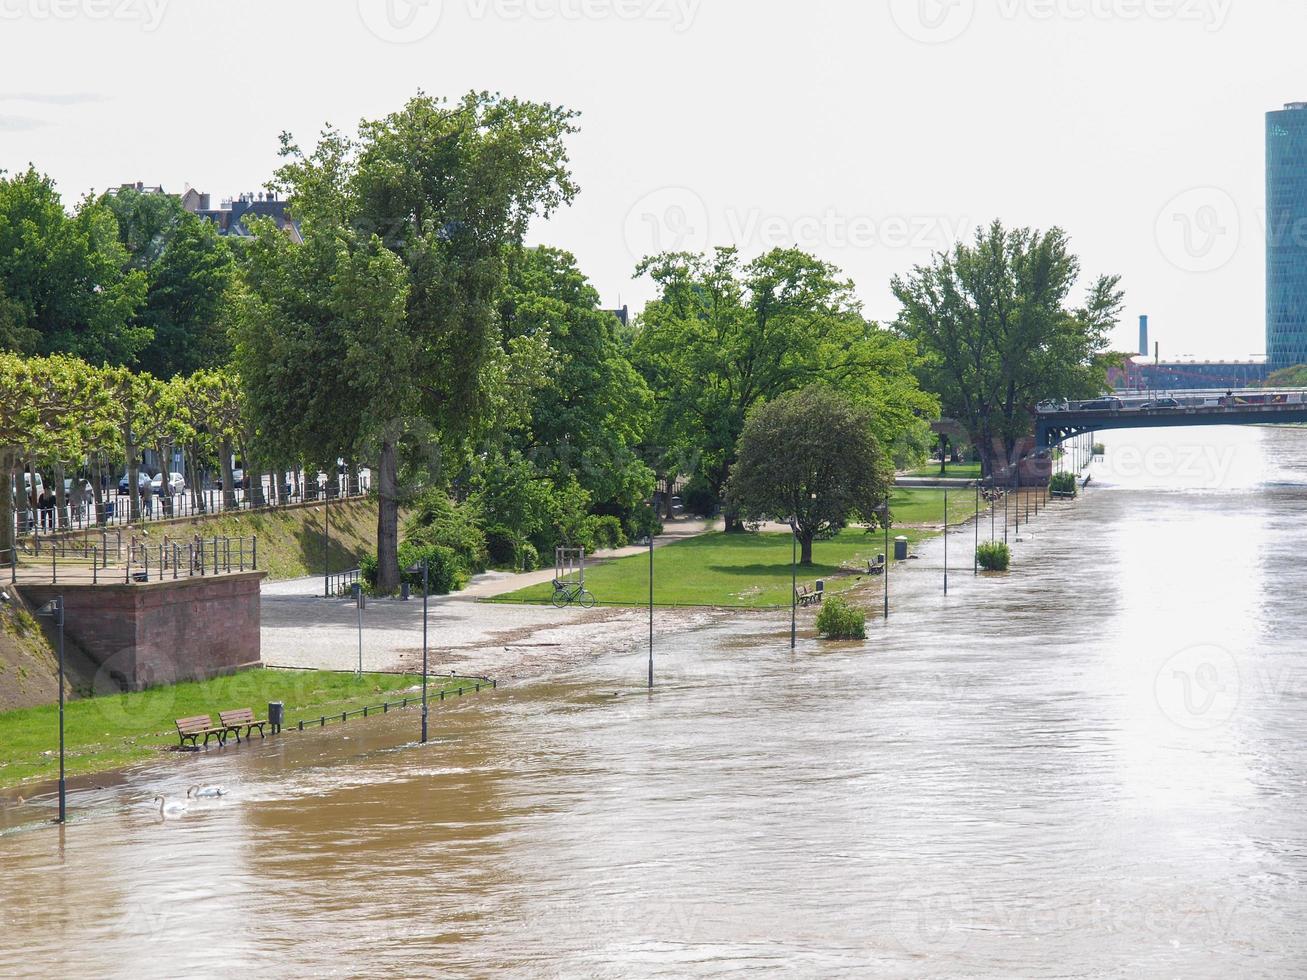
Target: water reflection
1094	767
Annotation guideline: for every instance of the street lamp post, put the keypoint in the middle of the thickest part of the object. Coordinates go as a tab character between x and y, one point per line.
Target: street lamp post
794	582
946	542
54	609
651	600
883	511
426	589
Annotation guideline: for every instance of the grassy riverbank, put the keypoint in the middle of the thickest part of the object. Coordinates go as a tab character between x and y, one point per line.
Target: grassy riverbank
955	471
744	570
108	733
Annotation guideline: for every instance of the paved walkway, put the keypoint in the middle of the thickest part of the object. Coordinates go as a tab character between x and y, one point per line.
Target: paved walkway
300	629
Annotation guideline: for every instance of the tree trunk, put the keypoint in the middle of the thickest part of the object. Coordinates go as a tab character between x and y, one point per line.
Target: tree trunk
388	514
805	548
60	501
8	517
133	480
228	481
97	488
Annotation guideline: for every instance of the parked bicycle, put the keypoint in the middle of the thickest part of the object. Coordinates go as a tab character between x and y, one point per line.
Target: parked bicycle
571	593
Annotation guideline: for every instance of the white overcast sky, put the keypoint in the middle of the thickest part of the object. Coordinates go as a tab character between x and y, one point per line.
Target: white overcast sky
868	131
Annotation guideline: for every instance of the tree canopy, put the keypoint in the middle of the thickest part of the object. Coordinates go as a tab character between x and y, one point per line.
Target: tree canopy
809	458
992	322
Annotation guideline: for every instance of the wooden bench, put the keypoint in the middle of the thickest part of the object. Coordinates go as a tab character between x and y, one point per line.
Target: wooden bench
190	729
807	597
875	567
234	721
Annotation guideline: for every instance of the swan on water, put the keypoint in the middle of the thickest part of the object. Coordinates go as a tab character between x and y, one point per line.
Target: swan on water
169	808
205	792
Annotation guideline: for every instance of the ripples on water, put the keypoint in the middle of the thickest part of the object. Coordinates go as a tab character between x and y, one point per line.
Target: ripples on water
1095	767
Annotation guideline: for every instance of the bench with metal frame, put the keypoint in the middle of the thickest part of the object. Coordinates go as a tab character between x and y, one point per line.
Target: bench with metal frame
234	721
190	730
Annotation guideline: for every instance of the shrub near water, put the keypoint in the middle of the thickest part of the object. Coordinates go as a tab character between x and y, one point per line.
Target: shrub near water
1063	483
994	556
840	621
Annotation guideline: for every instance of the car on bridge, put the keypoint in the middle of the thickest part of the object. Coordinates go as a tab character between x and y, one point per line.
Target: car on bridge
1161	403
1103	405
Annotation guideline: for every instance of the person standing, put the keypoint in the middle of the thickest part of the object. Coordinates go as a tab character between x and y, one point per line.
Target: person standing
46	504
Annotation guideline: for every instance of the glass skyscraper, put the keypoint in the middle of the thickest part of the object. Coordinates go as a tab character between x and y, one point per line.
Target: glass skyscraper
1286	236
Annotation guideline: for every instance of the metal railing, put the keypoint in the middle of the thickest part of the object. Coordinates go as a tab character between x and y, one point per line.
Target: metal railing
136	561
115	509
341	584
474	685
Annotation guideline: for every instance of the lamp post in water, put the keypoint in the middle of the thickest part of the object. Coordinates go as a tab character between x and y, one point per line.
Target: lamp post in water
425	567
54	610
654	510
794	581
883	512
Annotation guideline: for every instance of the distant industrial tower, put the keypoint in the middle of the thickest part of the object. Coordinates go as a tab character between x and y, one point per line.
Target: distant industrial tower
1286	236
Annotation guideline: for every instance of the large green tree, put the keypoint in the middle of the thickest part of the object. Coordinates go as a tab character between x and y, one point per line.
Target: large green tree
65	282
591	414
189	268
809	458
993	322
722	338
388	334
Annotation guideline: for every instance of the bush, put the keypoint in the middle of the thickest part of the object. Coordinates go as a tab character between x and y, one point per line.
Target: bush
699	500
436	520
840	621
445	570
1063	483
994	556
605	533
501	547
530	557
643	523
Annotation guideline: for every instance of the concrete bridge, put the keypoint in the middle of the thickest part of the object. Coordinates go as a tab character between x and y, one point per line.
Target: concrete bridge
1056	425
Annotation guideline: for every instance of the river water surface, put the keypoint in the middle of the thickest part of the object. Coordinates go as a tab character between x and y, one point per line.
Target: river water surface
1094	767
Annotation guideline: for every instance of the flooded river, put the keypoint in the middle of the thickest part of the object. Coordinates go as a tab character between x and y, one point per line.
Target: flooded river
1096	767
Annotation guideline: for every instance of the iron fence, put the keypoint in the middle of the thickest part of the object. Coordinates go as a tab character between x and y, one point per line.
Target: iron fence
134	561
114	510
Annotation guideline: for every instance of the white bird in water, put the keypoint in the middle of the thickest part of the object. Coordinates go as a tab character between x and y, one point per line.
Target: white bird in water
170	808
206	792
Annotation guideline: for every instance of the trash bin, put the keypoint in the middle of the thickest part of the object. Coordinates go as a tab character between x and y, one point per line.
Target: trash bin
276	715
404	592
900	549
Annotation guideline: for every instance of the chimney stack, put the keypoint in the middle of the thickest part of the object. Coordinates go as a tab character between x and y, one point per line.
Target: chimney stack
1143	336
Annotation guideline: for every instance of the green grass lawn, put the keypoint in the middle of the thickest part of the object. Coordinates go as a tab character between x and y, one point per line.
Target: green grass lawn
111	732
926	506
745	570
956	471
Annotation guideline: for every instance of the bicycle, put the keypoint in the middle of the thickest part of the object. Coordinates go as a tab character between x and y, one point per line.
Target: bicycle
566	595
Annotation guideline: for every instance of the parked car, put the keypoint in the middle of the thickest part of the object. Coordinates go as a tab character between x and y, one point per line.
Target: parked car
1053	405
237	478
176	484
1103	405
142	483
1160	403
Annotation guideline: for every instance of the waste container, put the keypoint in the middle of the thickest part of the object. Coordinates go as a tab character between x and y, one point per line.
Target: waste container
404	591
276	715
900	549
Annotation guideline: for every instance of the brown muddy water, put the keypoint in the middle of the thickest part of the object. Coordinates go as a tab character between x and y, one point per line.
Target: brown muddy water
1094	767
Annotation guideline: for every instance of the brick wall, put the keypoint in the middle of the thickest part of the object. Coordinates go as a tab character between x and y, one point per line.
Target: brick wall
142	636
